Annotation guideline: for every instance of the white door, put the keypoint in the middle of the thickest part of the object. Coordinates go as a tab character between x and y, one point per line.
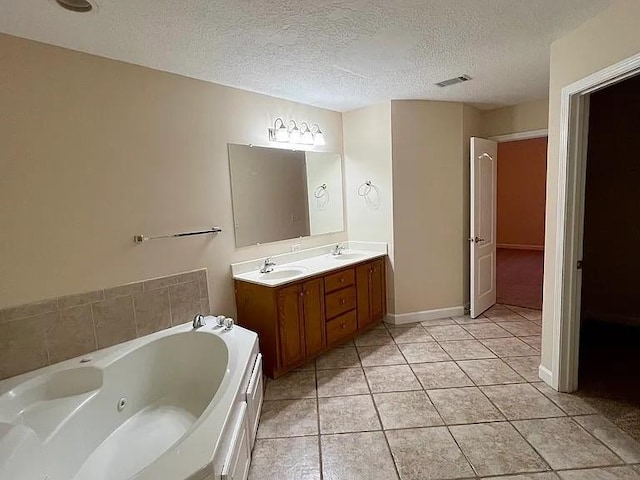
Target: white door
484	168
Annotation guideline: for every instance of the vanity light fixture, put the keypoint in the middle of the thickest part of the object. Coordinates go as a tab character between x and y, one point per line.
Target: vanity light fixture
300	136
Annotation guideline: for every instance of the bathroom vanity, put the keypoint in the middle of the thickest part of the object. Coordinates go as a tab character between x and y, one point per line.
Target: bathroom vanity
305	307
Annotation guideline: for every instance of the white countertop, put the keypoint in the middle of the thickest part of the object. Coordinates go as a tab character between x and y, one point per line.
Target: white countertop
296	266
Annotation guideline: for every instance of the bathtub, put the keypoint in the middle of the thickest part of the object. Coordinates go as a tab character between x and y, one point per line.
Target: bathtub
177	404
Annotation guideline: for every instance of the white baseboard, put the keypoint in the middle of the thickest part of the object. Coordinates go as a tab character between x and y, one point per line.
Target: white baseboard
538	248
545	375
425	316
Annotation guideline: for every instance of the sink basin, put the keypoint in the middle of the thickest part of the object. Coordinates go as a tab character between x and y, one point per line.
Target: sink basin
349	256
282	273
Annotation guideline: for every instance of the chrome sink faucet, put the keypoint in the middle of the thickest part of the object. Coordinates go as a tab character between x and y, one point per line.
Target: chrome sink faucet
267	266
337	250
198	321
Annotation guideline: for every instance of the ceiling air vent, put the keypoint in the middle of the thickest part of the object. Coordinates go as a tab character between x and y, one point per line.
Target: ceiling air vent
454	80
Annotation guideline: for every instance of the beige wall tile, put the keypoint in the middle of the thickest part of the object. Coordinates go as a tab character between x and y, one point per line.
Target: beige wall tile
122	290
23	345
188	277
70	333
80	299
28	310
204	306
114	320
203	283
185	302
161	282
152	311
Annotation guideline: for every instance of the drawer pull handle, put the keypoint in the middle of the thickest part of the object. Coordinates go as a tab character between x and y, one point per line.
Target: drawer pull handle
342	301
341	280
343	326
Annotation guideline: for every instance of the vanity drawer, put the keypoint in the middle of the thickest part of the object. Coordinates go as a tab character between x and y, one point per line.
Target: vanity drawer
341	301
342	327
342	279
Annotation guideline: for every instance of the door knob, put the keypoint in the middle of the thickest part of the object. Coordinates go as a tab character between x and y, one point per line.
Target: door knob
476	239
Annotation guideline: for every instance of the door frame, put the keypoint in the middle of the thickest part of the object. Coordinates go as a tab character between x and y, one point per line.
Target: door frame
567	282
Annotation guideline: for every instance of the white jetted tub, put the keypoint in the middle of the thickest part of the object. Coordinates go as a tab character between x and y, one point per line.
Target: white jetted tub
177	404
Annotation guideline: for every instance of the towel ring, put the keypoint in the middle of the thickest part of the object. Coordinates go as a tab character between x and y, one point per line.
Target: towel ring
321	191
365	188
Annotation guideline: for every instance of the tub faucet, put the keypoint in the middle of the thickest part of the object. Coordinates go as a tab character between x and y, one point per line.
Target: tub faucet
267	266
198	321
337	250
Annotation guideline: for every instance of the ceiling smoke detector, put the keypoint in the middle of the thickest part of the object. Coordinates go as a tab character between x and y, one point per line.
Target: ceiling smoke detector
454	80
75	5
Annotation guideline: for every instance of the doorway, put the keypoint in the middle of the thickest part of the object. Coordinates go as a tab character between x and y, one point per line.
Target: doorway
521	193
609	359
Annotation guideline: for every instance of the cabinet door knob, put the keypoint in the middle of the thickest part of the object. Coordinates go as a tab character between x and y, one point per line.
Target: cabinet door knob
306	292
343	326
301	294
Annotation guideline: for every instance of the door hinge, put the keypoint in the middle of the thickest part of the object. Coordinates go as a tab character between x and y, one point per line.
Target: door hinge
579	264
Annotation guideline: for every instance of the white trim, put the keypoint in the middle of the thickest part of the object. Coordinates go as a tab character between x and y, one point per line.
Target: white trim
513	137
545	374
424	316
569	229
521	247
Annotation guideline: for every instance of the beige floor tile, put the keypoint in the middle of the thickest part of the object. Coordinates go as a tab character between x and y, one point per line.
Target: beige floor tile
347	414
440	375
564	444
406	410
391	378
449	332
377	336
288	418
467	320
521	329
414	334
521	401
464	405
571	404
534	340
292	385
486	330
613	437
427	453
298	458
496	449
344	381
357	456
509	347
381	355
423	352
438	322
339	358
610	473
490	372
466	349
528	313
503	316
527	476
525	366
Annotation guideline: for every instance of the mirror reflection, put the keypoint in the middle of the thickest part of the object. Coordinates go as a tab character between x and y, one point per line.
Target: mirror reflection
282	194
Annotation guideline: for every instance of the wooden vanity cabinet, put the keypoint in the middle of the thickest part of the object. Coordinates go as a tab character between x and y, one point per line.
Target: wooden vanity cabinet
298	321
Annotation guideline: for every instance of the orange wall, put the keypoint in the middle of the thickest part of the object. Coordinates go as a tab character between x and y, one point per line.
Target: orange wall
522	171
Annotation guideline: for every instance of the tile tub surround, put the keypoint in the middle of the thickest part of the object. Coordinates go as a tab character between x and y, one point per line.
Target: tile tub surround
379	408
314	261
50	331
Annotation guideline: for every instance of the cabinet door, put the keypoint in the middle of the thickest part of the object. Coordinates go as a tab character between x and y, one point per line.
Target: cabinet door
313	308
363	273
377	291
290	325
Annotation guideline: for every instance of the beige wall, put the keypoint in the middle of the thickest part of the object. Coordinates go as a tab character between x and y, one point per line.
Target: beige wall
95	151
367	156
604	40
269	192
516	118
428	210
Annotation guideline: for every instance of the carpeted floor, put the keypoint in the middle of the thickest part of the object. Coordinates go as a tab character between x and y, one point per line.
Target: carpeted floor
519	277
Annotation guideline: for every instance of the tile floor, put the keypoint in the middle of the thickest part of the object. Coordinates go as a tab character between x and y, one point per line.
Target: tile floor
452	399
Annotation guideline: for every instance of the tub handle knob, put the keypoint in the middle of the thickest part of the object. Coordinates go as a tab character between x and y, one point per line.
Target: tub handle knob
220	320
228	324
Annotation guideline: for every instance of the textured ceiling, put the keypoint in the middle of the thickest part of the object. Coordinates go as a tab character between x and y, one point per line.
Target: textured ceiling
339	54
